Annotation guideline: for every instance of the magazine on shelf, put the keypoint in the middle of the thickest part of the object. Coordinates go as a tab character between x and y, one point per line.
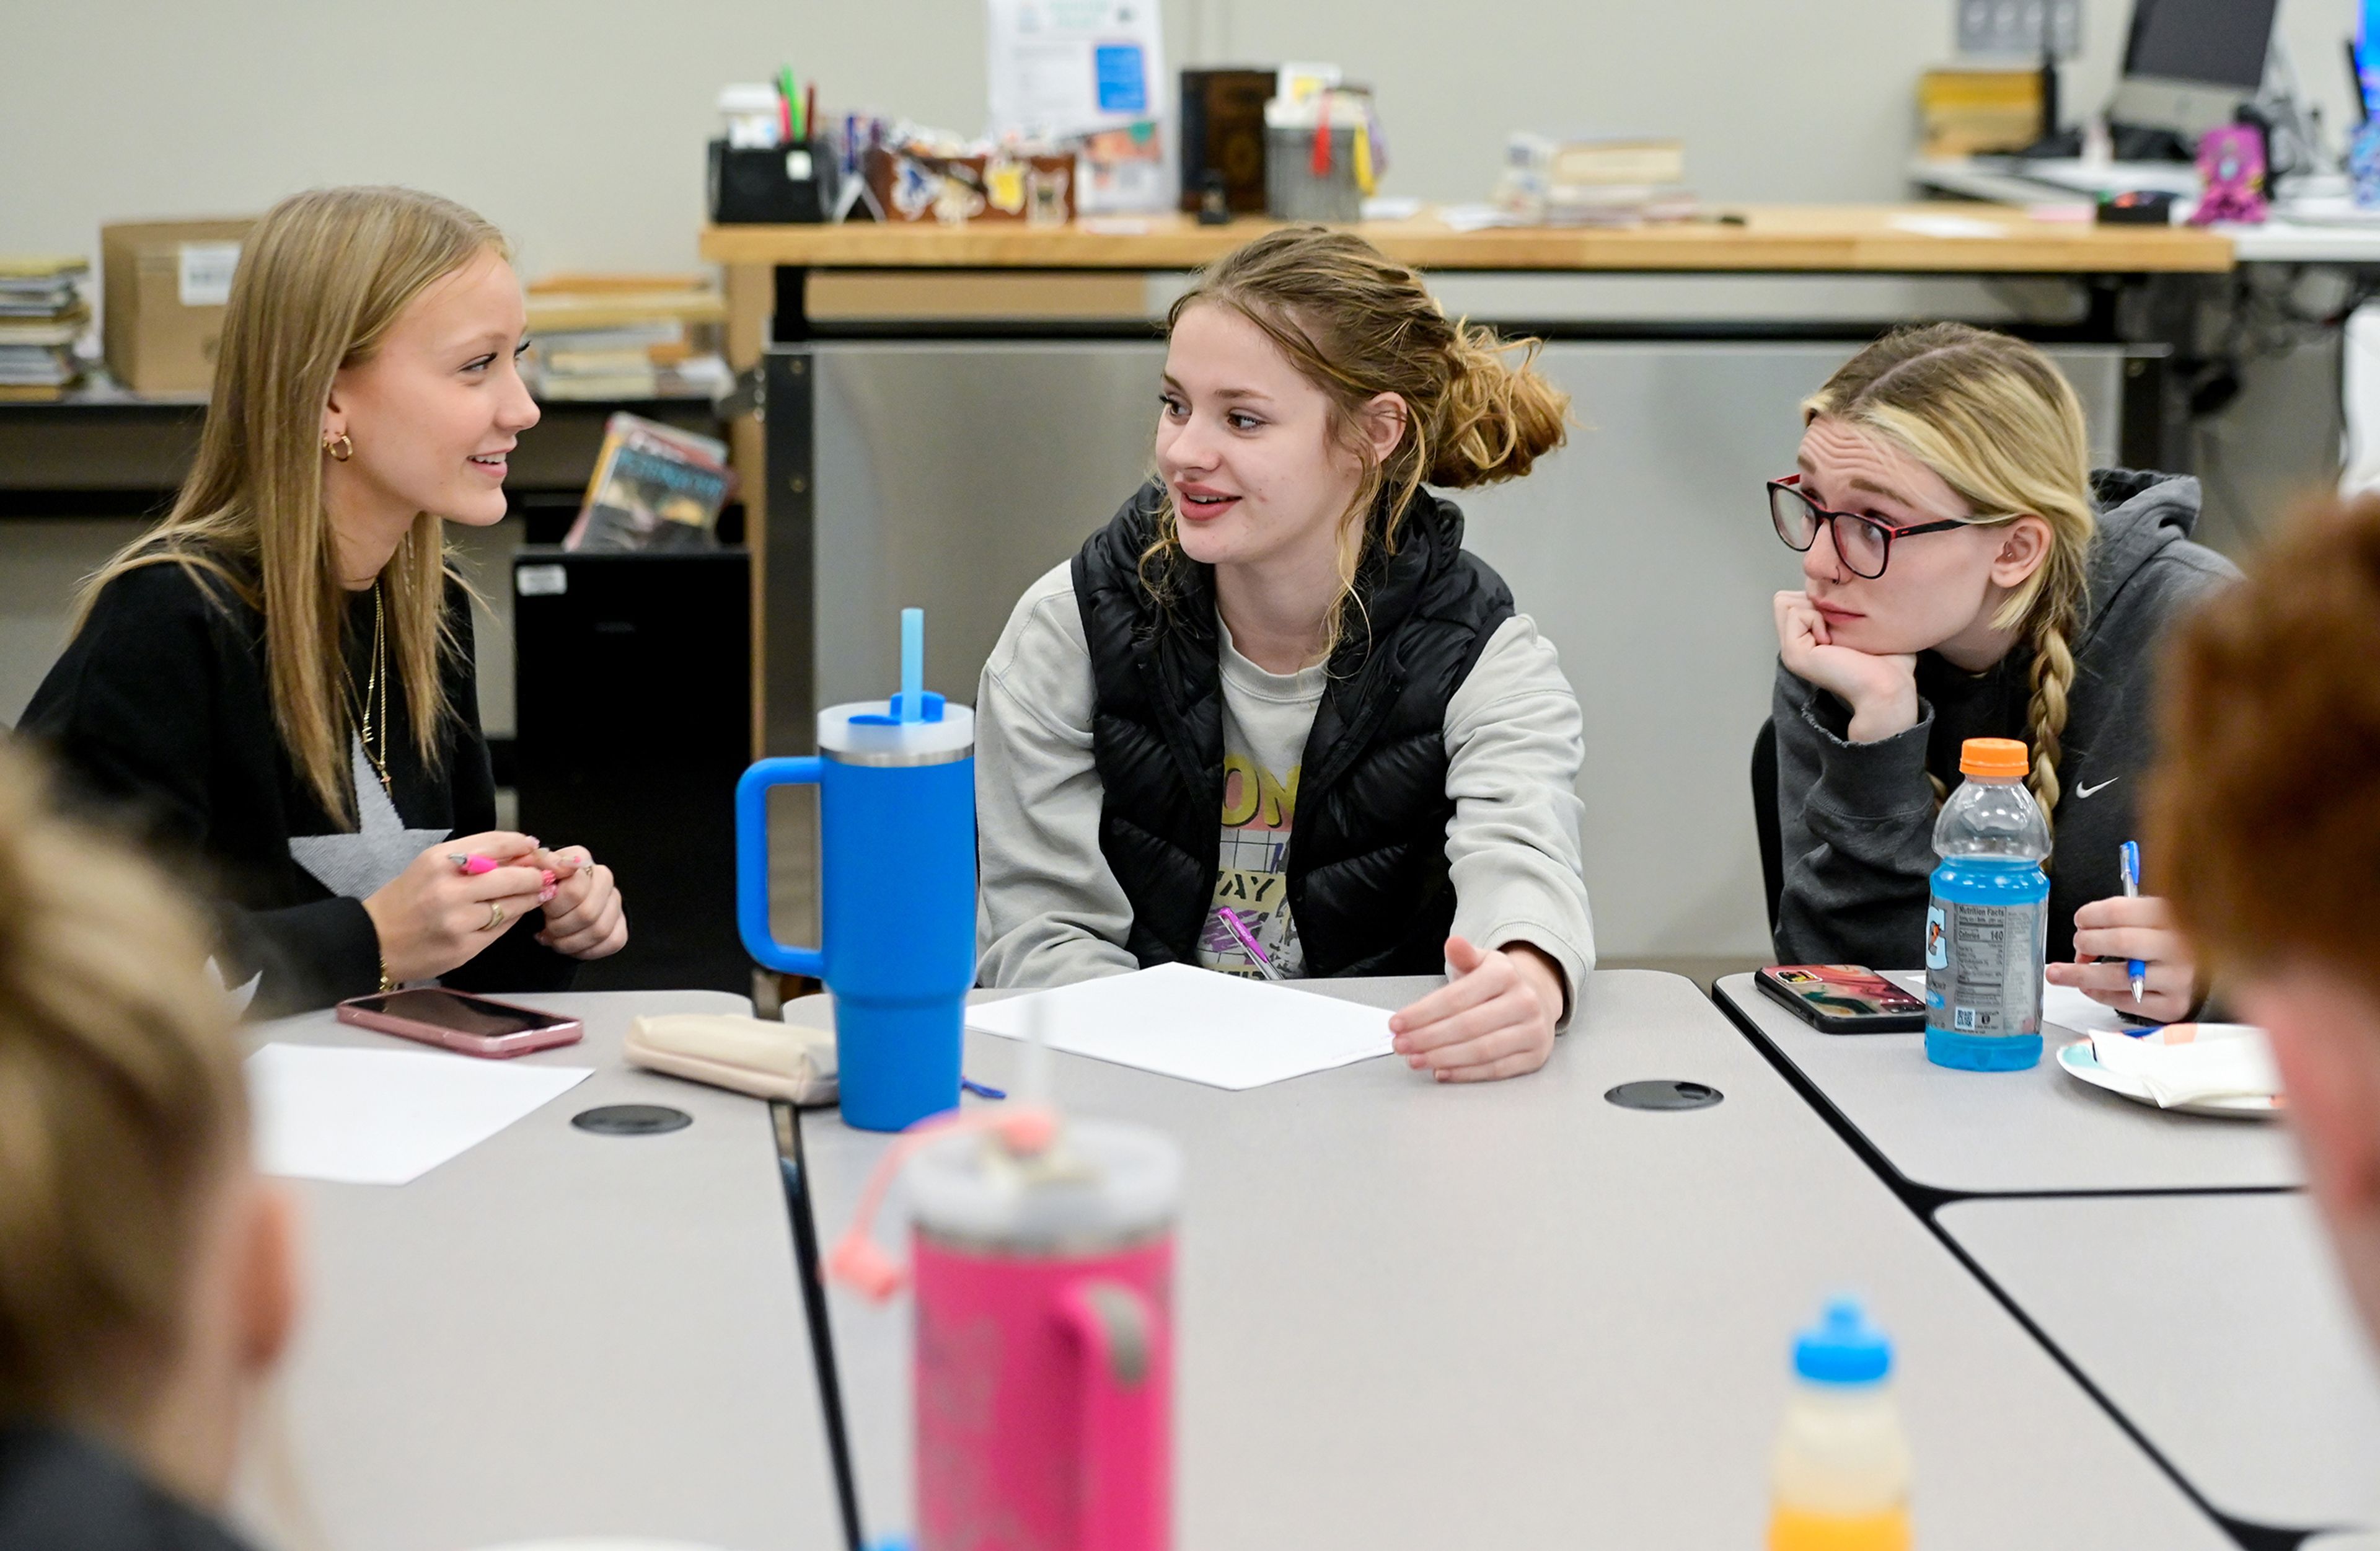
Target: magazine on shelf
655	487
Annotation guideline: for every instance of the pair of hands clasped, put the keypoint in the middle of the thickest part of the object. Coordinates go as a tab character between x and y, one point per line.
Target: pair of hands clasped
434	916
1882	694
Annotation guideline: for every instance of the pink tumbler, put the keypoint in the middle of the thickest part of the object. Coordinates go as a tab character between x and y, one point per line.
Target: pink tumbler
1043	1260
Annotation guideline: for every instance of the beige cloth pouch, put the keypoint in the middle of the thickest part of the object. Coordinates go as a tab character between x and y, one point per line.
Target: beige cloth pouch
767	1060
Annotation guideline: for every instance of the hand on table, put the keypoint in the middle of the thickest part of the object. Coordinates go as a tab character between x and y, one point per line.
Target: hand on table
1880	691
2115	930
584	919
1494	1018
434	917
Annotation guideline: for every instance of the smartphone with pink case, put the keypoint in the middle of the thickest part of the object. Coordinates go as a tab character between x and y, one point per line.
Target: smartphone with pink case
473	1025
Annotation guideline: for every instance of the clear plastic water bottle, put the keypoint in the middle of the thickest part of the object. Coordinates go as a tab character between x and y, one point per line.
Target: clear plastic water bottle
1988	921
1840	1479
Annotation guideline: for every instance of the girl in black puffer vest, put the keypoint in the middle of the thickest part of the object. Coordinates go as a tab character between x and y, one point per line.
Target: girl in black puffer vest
1281	634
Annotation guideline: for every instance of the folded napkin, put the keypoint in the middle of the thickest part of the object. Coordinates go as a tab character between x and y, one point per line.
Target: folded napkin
768	1060
2189	1063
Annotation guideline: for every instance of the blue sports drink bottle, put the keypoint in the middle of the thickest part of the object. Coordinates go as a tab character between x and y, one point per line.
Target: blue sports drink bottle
1987	920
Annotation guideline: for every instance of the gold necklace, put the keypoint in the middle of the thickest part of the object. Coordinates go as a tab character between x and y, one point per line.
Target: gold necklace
374	734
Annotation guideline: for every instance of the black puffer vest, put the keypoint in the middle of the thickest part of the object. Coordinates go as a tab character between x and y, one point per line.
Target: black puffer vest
1367	878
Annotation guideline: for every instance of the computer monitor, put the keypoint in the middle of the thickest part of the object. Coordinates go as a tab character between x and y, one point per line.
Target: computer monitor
2189	65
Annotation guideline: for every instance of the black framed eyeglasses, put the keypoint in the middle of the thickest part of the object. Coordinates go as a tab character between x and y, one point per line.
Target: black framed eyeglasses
1864	542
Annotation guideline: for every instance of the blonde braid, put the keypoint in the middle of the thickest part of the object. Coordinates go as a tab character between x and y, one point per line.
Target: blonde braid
2053	677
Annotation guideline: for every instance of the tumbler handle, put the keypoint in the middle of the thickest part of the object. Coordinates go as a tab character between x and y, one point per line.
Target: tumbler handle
752	865
1126	1498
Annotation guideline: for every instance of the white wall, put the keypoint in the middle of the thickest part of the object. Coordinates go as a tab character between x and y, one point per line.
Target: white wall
579	127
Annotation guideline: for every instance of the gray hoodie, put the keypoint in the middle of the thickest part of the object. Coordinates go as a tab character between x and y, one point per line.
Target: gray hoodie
1858	818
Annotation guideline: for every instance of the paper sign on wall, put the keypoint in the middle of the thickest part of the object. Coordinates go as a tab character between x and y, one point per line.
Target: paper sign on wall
1065	68
203	272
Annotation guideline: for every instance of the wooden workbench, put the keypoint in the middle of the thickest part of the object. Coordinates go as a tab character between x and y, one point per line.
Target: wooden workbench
1769	238
781	280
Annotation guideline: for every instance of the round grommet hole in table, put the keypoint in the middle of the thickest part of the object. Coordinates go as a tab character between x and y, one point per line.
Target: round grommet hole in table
1665	1094
632	1120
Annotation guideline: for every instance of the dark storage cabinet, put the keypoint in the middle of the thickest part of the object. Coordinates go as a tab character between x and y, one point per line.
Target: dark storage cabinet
634	688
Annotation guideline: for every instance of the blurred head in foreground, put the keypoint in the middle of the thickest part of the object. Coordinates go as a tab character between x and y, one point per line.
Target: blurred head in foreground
146	1273
2267	811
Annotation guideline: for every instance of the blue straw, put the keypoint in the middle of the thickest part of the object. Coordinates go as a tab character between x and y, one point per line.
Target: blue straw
912	665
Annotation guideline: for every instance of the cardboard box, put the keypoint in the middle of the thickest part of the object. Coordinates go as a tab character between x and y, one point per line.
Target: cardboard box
163	287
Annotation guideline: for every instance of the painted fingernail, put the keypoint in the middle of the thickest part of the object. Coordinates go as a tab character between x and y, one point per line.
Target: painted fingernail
546	894
546	873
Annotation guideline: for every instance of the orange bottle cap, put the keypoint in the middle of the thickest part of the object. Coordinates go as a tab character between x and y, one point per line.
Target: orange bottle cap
1993	757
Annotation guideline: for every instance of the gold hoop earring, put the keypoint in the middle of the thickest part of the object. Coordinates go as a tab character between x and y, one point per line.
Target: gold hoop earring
341	447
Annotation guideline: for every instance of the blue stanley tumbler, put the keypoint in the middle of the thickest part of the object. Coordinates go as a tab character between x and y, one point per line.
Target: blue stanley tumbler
896	854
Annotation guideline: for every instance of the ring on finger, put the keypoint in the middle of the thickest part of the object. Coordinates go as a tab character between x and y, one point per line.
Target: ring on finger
495	915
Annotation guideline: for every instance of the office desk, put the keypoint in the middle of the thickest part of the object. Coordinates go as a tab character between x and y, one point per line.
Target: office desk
1983	1133
2279	240
2216	1324
1514	1315
559	1333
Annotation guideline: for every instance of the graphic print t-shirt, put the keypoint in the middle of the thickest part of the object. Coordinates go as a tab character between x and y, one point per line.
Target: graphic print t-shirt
1266	718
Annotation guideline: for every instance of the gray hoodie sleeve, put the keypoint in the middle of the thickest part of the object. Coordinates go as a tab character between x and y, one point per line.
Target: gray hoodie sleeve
1857	821
1514	742
1049	911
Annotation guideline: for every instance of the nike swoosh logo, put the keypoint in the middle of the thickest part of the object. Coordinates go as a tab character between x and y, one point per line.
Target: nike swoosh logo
2086	791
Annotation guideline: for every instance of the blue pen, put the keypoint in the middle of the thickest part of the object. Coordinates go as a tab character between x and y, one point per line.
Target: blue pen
2128	862
980	1090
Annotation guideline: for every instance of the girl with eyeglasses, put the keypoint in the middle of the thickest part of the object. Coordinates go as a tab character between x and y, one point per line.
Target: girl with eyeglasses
1966	574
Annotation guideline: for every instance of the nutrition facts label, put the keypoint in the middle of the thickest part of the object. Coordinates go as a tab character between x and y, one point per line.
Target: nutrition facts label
1981	966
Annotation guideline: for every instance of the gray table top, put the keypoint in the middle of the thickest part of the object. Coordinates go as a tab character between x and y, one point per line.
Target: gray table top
2218	1325
559	1333
1414	1315
2022	1133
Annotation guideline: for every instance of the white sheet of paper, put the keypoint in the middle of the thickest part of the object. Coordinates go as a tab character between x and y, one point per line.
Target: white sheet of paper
1476	217
1946	225
1196	1024
386	1116
2069	1008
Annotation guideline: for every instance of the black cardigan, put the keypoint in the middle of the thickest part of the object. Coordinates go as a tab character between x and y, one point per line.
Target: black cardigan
159	711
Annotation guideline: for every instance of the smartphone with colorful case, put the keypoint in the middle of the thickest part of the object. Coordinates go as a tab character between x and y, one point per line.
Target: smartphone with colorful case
1843	998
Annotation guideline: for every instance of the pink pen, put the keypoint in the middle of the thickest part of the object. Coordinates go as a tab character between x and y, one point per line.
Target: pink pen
1248	940
473	864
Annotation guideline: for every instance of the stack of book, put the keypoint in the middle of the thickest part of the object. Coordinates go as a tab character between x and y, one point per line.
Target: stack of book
42	314
610	337
1594	182
1973	111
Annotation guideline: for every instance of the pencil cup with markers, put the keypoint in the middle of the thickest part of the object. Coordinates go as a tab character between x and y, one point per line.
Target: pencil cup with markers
772	185
1294	192
896	862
